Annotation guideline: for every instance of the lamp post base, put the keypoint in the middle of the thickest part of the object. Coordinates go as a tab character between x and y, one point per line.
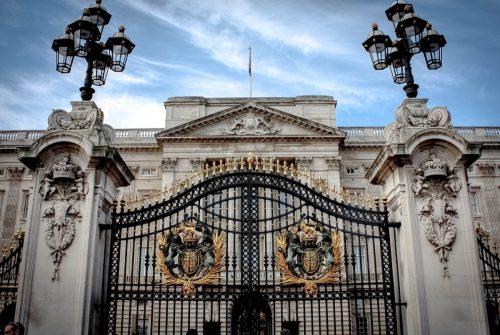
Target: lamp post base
86	93
411	90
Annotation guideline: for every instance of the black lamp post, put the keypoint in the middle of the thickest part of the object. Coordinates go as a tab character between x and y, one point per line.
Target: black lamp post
415	36
83	39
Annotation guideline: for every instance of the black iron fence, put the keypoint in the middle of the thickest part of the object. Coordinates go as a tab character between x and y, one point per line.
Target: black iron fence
490	272
9	278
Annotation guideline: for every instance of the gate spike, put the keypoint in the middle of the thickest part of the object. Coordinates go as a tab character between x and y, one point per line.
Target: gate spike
292	170
257	164
214	168
242	163
250	160
278	166
221	166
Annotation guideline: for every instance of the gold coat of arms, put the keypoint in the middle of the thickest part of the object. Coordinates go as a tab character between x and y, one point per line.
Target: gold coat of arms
309	254
190	255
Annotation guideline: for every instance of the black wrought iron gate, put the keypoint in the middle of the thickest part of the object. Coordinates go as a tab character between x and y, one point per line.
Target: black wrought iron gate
251	247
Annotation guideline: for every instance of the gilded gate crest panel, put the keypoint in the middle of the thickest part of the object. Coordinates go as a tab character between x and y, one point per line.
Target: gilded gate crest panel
190	254
309	254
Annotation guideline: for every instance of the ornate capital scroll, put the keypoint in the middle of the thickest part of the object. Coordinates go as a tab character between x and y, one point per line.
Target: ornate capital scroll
62	189
168	164
437	184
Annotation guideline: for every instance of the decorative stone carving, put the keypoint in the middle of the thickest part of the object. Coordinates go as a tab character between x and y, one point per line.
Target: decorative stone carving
333	163
197	163
487	169
437	184
251	124
63	187
15	172
84	115
168	164
414	113
303	163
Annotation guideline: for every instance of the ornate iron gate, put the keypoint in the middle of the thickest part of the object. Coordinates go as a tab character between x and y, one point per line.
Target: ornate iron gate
9	278
490	273
251	247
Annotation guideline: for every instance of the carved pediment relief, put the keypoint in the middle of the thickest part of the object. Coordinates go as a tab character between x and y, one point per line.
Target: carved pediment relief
249	120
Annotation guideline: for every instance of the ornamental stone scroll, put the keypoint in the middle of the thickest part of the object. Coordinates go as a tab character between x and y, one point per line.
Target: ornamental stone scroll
63	188
437	185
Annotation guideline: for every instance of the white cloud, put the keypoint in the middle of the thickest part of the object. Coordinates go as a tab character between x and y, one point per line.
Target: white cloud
126	111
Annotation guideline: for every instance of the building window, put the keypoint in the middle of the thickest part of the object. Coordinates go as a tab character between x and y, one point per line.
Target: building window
25	205
148	172
474	203
352	170
361	325
215	202
2	172
142	326
359	253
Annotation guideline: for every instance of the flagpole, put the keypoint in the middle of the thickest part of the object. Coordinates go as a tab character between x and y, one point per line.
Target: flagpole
250	71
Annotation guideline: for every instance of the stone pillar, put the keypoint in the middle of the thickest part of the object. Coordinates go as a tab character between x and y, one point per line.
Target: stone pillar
75	181
423	172
12	199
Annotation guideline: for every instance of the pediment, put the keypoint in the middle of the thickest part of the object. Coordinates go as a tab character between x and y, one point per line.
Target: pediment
250	121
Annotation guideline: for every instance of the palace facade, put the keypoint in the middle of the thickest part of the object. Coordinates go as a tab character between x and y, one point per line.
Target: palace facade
439	186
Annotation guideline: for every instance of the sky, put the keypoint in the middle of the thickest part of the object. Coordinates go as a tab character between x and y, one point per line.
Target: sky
200	48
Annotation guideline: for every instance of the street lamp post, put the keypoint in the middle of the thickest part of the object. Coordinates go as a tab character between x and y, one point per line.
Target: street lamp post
415	35
83	39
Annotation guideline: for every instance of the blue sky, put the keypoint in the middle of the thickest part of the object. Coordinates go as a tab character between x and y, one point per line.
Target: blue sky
200	48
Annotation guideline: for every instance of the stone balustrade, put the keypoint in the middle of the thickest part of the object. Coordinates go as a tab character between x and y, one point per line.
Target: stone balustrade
148	134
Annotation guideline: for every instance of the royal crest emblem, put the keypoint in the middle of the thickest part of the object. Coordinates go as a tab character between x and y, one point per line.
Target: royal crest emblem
309	254
190	255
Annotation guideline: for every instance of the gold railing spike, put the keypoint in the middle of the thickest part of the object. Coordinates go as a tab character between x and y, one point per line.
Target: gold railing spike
292	170
369	201
221	166
207	170
278	166
285	168
257	163
214	168
242	164
355	198
250	160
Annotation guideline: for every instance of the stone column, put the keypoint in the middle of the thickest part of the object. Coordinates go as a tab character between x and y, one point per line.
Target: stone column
75	181
423	172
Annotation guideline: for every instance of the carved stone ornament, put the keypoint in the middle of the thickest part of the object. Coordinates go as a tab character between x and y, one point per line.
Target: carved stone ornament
15	172
415	113
168	164
437	184
251	124
62	189
333	162
309	254
197	163
84	115
303	163
487	169
190	254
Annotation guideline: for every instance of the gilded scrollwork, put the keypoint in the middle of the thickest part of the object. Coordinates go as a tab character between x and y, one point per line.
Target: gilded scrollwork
309	254
438	185
62	187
